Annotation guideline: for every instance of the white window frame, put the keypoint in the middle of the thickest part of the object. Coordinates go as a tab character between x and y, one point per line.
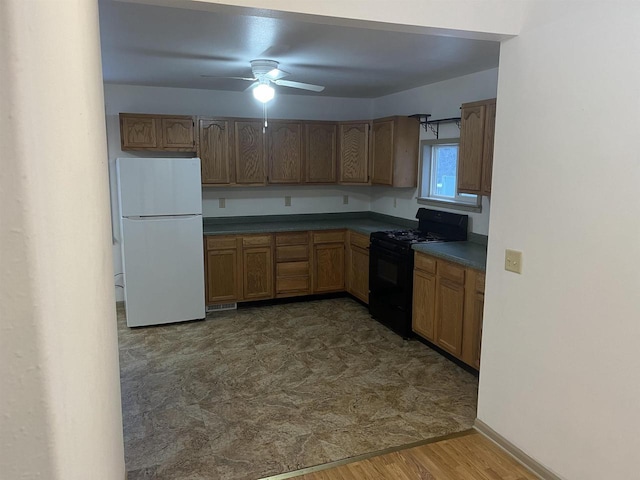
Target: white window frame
426	181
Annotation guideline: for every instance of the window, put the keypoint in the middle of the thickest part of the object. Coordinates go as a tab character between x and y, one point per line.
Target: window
439	177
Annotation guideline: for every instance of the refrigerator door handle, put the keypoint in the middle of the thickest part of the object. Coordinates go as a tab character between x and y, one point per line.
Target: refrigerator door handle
161	217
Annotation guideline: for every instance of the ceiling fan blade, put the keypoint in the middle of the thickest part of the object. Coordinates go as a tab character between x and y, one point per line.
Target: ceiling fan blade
276	74
232	78
250	87
303	86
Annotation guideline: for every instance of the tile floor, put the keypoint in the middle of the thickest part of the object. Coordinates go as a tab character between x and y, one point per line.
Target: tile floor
271	389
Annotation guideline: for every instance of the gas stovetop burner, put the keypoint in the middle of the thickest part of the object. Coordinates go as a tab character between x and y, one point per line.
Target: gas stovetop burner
412	236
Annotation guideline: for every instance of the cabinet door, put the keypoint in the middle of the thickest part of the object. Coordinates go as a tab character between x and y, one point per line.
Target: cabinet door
487	154
320	152
424	305
471	149
328	274
178	133
285	152
354	152
449	312
249	152
222	276
214	152
382	153
138	132
257	266
359	273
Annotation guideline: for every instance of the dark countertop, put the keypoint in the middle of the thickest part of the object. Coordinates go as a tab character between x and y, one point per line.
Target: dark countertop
361	222
469	254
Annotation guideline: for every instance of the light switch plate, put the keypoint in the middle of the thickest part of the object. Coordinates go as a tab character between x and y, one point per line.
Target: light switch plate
287	201
513	261
222	203
345	199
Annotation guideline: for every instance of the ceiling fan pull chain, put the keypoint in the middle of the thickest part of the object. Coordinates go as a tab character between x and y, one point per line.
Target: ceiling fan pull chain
264	115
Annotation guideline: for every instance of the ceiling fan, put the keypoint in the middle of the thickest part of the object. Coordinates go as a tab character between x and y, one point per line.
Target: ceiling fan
266	72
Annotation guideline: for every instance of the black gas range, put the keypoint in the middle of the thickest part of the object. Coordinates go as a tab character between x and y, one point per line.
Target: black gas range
391	265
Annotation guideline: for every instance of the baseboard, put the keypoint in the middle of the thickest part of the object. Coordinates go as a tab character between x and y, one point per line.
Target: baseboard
534	466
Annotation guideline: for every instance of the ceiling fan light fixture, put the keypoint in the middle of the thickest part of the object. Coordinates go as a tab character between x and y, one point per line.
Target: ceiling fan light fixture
264	93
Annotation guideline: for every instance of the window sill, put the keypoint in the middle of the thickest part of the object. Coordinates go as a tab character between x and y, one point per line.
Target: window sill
466	207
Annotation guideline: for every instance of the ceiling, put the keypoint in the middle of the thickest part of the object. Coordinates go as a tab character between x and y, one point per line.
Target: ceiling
172	47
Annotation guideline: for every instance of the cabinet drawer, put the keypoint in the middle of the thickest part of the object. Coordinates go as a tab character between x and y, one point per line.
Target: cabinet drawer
292	269
451	271
256	241
294	238
215	242
292	284
480	282
328	237
424	263
359	240
292	253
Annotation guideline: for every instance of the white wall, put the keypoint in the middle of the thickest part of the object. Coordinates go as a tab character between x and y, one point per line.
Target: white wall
60	389
441	100
560	373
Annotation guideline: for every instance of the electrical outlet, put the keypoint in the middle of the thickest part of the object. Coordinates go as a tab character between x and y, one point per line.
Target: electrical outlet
222	202
513	261
287	201
395	202
345	199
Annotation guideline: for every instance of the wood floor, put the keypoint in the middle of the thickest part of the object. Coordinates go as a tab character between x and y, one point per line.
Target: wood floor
468	457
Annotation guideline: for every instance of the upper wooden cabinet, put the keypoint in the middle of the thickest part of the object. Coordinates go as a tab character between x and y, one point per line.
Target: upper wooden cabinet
353	152
394	152
168	133
214	151
477	130
249	152
320	149
284	150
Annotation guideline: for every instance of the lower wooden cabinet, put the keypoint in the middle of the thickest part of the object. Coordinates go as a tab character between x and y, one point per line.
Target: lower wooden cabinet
447	306
222	266
328	261
257	266
358	266
293	273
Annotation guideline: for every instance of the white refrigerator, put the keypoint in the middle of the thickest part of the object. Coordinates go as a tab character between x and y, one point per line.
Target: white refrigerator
161	234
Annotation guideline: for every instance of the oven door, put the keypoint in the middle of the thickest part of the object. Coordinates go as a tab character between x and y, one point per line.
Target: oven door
390	287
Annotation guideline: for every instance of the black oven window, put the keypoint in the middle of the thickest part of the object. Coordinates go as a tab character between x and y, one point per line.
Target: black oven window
388	271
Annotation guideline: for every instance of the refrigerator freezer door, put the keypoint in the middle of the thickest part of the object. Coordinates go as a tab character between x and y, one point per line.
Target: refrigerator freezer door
163	270
159	186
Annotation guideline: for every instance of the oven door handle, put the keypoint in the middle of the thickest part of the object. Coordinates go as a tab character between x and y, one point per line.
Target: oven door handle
383	252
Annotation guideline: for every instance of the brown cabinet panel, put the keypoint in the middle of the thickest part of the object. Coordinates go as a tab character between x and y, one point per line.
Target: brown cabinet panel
178	133
487	154
320	157
358	273
328	272
285	152
382	156
292	269
294	238
138	132
290	285
213	150
477	130
249	152
331	236
471	148
359	240
291	253
451	271
222	242
257	263
353	153
424	305
424	263
257	240
222	276
449	315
